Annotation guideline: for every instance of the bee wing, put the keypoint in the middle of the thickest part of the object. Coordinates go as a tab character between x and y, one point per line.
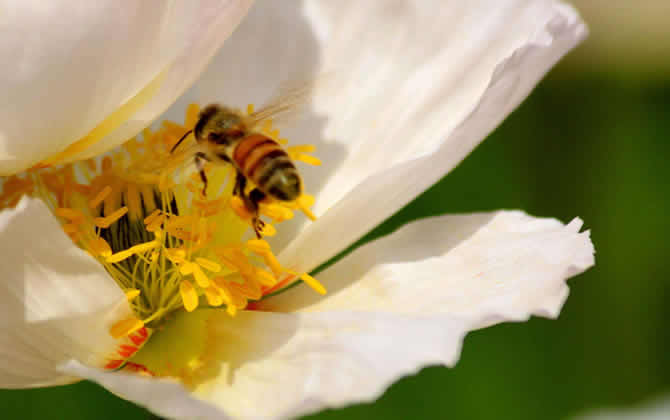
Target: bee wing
286	105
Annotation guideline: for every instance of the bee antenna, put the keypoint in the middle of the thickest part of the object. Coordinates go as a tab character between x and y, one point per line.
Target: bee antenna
180	140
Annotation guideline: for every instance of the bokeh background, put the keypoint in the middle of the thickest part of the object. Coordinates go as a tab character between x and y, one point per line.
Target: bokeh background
591	141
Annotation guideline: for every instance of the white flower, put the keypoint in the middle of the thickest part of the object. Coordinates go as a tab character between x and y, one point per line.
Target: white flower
79	78
419	85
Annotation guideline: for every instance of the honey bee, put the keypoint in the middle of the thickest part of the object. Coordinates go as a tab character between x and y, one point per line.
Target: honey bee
225	135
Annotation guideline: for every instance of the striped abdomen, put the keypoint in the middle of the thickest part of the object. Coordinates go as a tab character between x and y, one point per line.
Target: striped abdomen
264	162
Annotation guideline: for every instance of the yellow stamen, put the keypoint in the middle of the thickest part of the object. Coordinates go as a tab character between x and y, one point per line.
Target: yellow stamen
70	228
209	265
200	277
301	148
268	230
304	203
100	197
213	296
265	278
188	295
273	263
276	212
134	201
258	246
133	250
308	159
313	283
132	294
100	247
250	109
150	218
69	214
125	327
105	222
239	208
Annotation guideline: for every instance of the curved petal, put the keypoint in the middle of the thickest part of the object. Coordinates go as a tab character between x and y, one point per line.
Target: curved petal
505	263
443	82
395	305
98	74
163	397
56	302
425	83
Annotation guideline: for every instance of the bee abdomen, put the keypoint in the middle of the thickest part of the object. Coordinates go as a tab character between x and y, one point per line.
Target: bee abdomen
264	162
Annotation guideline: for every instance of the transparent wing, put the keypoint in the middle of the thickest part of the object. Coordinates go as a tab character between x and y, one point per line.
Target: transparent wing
287	104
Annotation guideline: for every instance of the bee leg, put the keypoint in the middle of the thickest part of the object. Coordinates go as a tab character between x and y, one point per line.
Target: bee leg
250	202
200	160
255	197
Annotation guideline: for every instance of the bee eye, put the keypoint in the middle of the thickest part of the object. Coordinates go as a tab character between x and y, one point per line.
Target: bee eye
216	138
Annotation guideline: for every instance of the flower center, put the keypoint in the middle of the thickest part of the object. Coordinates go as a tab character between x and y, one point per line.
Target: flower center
143	215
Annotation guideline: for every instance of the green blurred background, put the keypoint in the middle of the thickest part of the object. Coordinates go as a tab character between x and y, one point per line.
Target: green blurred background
591	141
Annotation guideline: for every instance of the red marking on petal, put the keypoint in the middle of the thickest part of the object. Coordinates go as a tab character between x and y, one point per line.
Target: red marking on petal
113	364
137	339
280	285
126	351
143	332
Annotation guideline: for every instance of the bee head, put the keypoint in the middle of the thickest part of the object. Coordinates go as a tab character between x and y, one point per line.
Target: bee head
218	125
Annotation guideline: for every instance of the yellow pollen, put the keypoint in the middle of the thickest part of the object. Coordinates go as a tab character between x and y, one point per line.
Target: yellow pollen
133	250
150	218
273	263
188	295
220	283
313	283
268	230
132	294
100	247
69	214
134	201
258	246
209	265
200	277
105	222
308	159
265	278
239	208
213	296
70	228
276	212
156	223
125	327
250	109
100	197
301	148
237	259
304	203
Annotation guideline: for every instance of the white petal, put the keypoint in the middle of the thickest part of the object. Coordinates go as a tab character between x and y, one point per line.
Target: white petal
482	266
408	90
425	88
56	302
163	397
396	305
65	72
